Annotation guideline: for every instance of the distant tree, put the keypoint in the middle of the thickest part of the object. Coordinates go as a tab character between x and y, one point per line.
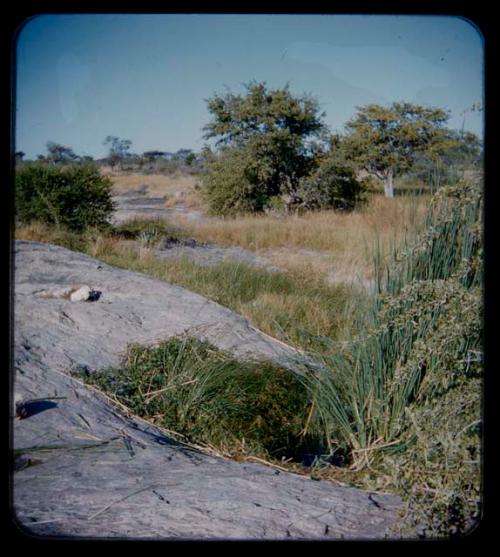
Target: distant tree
87	158
19	155
118	150
190	160
458	152
59	154
385	141
264	146
464	149
152	156
182	154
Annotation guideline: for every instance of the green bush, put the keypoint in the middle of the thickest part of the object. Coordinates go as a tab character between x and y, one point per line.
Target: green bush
331	187
245	180
235	182
75	196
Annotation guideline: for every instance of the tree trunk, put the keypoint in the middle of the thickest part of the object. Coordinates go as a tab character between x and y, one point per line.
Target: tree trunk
389	184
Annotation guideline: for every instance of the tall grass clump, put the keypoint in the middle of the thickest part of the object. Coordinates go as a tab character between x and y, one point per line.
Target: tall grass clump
206	397
404	398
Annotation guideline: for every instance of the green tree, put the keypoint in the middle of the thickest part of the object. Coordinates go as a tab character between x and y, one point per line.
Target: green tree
266	143
460	151
385	141
60	154
190	160
464	149
118	150
152	156
331	186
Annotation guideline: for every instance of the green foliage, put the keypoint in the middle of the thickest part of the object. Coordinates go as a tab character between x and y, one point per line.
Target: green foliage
262	110
192	388
235	182
384	141
419	364
265	140
331	186
74	196
439	473
59	154
458	153
450	247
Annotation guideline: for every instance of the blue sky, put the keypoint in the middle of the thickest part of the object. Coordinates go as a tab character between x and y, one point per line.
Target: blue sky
146	78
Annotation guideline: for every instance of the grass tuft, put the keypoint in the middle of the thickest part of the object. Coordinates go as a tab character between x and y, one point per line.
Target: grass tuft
208	397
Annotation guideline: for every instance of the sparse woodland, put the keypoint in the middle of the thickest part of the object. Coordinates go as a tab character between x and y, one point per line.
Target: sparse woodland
377	236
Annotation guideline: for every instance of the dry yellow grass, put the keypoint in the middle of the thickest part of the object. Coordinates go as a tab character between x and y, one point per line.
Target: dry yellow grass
337	246
327	246
177	188
312	249
326	230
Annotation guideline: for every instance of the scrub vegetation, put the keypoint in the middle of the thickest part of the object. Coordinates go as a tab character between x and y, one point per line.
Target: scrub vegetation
382	292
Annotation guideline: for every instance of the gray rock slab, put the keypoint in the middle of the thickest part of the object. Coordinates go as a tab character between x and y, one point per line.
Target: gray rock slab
135	204
212	255
86	468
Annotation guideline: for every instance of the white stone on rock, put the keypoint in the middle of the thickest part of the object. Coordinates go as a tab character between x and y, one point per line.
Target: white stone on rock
81	295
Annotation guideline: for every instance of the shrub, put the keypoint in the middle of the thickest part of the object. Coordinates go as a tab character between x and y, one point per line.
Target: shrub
242	180
331	187
75	196
149	231
235	182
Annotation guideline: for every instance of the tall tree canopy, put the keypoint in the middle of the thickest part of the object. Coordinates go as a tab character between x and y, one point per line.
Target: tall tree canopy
118	149
265	140
238	118
385	141
58	153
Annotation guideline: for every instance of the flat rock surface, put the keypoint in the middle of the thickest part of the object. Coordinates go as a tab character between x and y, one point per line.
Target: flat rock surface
209	254
136	204
86	468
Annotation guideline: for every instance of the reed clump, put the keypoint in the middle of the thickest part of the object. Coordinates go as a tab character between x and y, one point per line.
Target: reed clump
404	397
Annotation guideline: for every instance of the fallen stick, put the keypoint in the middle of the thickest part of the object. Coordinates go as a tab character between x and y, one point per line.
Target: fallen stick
262	461
119	501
